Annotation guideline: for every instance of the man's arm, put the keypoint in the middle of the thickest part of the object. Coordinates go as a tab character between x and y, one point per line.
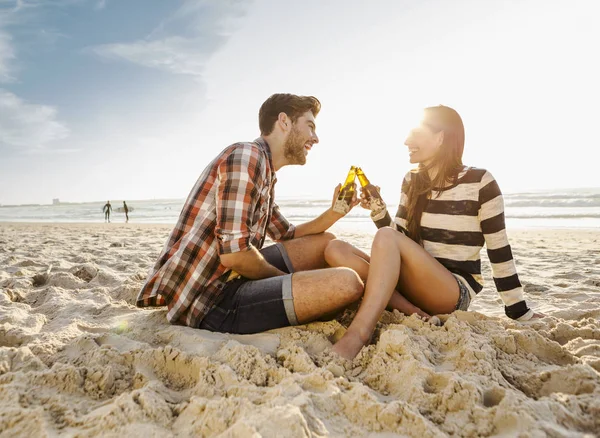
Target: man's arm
319	224
251	264
325	220
240	178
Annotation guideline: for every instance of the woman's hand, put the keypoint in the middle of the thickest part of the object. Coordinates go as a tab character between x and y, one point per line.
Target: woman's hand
364	199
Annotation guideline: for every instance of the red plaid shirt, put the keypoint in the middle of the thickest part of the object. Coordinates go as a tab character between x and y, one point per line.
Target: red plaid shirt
230	209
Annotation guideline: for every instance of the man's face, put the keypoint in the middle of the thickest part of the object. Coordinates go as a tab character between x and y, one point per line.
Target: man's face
301	139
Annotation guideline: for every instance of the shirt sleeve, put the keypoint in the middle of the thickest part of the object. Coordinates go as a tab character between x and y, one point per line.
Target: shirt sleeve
399	222
504	271
240	177
279	228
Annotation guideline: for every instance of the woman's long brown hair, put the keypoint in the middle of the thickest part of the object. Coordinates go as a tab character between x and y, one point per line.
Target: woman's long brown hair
448	162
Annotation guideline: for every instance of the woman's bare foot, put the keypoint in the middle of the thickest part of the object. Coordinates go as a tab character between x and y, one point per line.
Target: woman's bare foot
348	346
401	304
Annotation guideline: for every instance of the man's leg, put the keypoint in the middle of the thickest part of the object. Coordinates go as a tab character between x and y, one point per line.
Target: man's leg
317	291
308	253
258	305
324	291
297	298
291	299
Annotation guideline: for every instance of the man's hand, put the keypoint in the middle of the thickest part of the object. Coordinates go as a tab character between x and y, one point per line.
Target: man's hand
336	193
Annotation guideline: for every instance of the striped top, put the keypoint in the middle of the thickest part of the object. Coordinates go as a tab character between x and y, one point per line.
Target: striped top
455	225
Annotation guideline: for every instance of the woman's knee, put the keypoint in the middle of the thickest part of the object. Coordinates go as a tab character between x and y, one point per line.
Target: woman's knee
386	237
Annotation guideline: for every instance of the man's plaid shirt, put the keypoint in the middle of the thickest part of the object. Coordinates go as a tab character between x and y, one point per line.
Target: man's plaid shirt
230	209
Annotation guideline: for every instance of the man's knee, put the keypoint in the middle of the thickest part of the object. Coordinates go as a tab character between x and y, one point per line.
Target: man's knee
327	237
324	239
349	283
320	240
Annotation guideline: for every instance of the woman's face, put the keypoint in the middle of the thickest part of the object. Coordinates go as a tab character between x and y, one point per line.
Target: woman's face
423	143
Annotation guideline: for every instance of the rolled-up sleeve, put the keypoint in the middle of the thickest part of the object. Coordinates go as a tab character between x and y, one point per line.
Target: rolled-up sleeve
279	228
240	177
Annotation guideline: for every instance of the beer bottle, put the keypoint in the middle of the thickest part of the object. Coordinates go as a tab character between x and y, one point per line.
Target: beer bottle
374	199
344	200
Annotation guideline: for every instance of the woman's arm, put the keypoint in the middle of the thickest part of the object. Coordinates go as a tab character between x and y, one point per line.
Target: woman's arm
383	219
491	217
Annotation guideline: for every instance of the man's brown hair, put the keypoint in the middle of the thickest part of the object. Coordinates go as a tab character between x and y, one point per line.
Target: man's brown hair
294	106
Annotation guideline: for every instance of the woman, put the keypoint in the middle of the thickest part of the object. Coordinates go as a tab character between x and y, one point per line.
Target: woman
430	251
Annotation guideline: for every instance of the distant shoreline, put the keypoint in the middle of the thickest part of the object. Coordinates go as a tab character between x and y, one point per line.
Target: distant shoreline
290	198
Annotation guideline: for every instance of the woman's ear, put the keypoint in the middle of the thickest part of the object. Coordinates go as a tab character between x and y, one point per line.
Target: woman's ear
440	139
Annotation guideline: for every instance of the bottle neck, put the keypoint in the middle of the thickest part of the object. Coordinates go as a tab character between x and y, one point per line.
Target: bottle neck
363	180
350	178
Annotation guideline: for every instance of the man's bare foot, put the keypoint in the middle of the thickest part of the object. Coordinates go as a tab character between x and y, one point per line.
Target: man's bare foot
349	346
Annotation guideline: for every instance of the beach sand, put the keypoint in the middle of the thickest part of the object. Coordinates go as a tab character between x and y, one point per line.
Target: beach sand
77	358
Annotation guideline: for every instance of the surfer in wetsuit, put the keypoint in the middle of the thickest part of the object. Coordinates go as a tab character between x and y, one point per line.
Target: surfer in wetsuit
126	210
106	209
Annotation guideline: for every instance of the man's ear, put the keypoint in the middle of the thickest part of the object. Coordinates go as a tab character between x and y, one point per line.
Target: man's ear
284	121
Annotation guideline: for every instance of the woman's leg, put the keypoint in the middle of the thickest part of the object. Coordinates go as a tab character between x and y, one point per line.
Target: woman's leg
341	254
396	259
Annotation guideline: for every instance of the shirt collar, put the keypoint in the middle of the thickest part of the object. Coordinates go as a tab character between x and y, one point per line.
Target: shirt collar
262	143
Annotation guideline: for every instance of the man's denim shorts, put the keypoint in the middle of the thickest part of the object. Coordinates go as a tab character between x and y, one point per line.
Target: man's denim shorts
252	306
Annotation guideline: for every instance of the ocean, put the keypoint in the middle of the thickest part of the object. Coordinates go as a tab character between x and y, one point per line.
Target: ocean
571	208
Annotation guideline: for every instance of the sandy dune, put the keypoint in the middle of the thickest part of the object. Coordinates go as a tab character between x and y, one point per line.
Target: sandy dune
78	359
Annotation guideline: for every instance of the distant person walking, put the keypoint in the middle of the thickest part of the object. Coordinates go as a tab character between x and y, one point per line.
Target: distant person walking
126	210
106	209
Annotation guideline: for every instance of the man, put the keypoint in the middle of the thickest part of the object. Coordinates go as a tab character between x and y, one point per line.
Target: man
126	210
214	273
107	209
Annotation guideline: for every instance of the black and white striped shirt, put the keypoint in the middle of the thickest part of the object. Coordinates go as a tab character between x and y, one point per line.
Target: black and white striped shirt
456	223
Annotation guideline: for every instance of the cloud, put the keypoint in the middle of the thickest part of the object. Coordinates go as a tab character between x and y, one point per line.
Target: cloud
25	127
182	43
28	4
7	54
28	127
173	54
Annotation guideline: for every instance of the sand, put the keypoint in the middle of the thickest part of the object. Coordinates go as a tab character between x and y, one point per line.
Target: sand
78	359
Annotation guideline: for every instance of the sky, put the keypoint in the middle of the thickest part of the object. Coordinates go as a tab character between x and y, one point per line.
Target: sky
131	99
